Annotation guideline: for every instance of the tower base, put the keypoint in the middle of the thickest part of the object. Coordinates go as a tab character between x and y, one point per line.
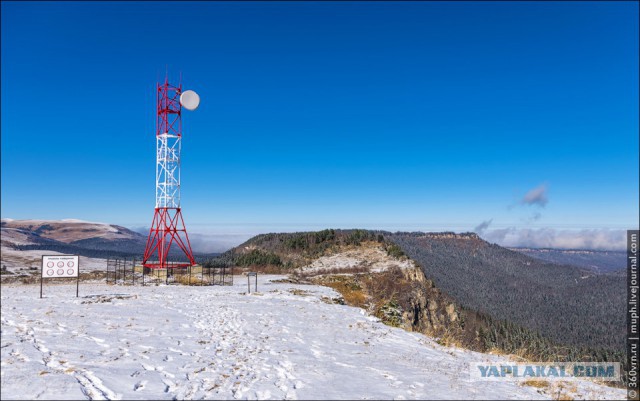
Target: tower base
167	229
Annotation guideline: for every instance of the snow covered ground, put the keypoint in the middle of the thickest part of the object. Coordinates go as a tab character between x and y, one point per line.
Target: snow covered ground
178	342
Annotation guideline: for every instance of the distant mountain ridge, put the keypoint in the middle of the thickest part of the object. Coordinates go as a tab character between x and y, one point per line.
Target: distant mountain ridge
70	231
93	240
602	262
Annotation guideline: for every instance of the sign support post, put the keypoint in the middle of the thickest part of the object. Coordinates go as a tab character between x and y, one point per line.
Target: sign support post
249	274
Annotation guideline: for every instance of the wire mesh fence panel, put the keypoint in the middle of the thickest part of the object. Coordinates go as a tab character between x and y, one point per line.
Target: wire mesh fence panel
178	275
223	275
111	271
124	271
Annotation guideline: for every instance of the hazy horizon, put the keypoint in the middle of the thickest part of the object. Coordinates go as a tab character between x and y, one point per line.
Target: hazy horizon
226	237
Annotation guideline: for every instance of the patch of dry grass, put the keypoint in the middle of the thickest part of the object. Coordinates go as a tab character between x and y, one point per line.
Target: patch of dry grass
564	391
185	280
351	291
536	383
450	339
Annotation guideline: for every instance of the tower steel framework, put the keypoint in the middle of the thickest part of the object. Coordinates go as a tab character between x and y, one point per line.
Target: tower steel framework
168	226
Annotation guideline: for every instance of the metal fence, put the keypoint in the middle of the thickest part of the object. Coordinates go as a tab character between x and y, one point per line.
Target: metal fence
124	271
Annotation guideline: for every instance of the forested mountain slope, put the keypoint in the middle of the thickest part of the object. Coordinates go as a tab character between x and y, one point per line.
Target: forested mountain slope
565	303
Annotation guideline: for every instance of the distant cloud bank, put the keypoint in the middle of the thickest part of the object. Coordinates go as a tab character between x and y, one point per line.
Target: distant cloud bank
594	239
208	243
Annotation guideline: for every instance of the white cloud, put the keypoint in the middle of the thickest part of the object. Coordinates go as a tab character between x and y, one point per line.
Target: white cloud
536	196
482	227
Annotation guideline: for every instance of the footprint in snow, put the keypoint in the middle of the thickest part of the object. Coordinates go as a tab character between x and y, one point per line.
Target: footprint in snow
140	385
169	385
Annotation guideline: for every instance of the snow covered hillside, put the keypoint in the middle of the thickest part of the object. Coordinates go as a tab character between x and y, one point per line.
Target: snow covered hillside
68	230
285	341
46	236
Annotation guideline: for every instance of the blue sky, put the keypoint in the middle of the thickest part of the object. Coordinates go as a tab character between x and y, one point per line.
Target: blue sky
409	116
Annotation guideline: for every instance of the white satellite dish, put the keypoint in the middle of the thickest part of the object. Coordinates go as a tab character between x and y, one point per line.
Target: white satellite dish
189	100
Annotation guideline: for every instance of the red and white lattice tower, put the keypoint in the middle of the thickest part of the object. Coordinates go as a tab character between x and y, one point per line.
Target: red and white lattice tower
168	227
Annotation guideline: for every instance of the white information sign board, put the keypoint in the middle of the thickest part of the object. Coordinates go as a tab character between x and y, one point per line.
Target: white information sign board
60	266
55	266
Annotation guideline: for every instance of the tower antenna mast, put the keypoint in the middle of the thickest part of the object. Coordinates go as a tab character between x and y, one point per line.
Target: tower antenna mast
168	228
